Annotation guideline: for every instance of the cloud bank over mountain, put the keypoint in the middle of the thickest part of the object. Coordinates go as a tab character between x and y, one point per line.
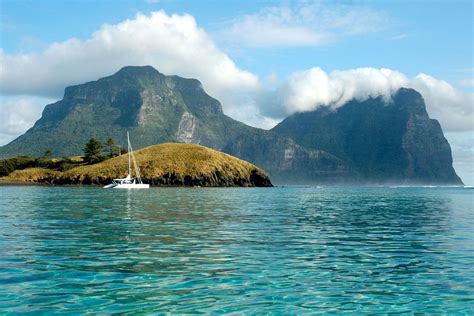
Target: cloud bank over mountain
307	90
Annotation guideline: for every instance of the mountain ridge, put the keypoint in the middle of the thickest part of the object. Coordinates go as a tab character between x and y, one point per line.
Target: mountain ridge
157	108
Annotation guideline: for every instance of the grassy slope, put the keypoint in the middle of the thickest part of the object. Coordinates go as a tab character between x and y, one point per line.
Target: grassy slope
156	163
30	175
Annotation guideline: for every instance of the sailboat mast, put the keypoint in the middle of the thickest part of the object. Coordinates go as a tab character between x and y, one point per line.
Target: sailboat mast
129	155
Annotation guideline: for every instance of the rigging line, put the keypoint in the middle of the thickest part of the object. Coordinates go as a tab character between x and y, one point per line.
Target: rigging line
137	171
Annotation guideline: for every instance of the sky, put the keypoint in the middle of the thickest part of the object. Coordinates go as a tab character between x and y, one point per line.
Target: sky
263	60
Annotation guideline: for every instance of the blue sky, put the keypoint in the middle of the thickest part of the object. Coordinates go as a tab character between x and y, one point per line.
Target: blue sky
434	37
251	55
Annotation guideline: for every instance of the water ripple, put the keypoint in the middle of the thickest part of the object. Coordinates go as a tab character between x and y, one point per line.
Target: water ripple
276	250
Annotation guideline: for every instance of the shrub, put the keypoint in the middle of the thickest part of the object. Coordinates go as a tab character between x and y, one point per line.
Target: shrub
9	165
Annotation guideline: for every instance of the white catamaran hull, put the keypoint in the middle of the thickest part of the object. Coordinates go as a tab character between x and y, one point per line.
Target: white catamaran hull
132	186
127	186
108	186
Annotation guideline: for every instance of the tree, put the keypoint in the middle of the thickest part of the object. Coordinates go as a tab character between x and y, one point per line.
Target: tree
92	151
7	166
112	149
47	154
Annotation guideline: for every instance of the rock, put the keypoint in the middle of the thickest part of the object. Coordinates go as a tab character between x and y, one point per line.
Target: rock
383	142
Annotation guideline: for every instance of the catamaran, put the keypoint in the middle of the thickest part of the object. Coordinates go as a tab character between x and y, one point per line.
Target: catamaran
128	182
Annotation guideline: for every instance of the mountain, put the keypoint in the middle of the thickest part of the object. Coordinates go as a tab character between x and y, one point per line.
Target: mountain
177	165
368	141
155	109
384	142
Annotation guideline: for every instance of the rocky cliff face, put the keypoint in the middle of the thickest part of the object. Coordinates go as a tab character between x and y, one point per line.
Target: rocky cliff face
289	162
383	142
156	108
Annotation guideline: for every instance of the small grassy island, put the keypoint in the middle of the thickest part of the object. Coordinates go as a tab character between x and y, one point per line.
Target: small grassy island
169	164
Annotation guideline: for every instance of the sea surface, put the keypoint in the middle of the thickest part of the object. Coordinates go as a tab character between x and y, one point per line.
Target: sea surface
283	250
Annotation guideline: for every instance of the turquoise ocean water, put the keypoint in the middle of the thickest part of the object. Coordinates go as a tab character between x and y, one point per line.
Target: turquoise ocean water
285	250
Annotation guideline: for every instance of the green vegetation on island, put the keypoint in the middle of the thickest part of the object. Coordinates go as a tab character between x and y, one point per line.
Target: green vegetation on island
93	153
9	165
165	164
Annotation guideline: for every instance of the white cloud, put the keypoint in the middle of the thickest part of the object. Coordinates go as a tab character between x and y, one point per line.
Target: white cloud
310	89
250	113
303	24
307	90
18	114
467	82
452	107
173	44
